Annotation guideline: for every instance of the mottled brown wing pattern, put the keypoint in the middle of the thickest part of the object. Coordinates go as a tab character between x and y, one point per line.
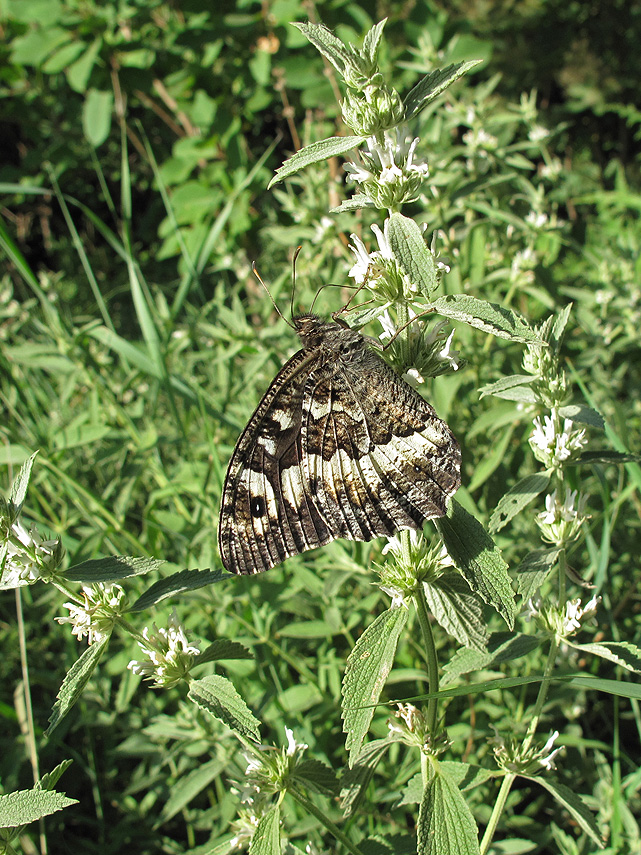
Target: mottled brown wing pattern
340	446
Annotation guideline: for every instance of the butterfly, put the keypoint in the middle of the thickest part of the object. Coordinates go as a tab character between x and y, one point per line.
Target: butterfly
339	446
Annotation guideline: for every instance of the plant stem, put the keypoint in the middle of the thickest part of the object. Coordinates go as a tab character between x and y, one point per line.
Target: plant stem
497	810
324	820
430	656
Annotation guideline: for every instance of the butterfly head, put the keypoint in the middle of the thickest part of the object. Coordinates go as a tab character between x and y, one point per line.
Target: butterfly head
315	332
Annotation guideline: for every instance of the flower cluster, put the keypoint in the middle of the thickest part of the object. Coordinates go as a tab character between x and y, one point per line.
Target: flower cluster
95	611
511	756
414	561
29	557
427	349
554	445
170	656
410	726
561	521
562	622
269	771
390	173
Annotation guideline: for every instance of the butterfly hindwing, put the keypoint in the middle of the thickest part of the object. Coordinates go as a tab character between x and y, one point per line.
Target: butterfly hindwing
339	446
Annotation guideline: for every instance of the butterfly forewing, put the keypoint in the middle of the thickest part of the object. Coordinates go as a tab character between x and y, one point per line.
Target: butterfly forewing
340	446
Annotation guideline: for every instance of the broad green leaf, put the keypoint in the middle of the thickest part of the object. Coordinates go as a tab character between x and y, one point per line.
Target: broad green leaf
354	203
466	776
408	245
623	653
445	823
433	84
478	558
18	490
533	569
457	609
558	327
74	682
316	776
606	457
355	780
25	806
506	383
502	647
368	666
266	839
219	698
583	415
320	150
223	648
190	786
178	583
111	569
49	780
489	317
518	497
79	72
327	43
372	40
96	115
574	804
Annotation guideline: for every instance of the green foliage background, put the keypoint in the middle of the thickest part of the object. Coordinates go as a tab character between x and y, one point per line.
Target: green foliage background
135	342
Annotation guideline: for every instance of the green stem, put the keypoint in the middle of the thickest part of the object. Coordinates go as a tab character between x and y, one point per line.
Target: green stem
499	805
430	656
324	820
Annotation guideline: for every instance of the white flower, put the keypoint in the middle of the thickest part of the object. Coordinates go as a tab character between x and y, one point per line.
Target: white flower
29	557
170	656
560	521
294	747
448	355
551	447
537	133
95	614
575	614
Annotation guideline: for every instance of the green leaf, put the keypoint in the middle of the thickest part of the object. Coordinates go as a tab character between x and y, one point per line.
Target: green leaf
316	776
266	839
433	84
506	383
558	328
190	786
79	72
178	583
111	569
328	44
408	245
478	558
49	780
502	647
466	776
18	491
368	666
445	823
623	653
457	609
25	806
223	648
489	317
96	115
354	203
518	497
320	150
606	457
355	780
219	698
372	40
583	415
74	682
533	569
574	804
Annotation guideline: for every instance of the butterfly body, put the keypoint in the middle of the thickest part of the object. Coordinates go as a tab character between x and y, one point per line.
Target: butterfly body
339	446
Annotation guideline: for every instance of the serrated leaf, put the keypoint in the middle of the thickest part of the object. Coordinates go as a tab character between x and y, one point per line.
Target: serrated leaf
178	583
356	779
316	776
354	203
327	43
518	497
223	648
433	84
505	383
321	150
413	791
111	569
266	839
18	491
408	245
583	415
605	457
574	804
558	328
623	653
502	647
372	40
445	823
74	682
219	698
49	780
466	776
478	558
457	609
532	571
489	317
368	667
521	394
25	806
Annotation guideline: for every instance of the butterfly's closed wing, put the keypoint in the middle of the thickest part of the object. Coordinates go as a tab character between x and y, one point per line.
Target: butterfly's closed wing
340	446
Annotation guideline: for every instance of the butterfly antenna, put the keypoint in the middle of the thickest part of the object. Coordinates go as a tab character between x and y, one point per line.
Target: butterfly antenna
269	294
291	299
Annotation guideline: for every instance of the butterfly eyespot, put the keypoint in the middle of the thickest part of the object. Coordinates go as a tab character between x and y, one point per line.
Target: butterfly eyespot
257	506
